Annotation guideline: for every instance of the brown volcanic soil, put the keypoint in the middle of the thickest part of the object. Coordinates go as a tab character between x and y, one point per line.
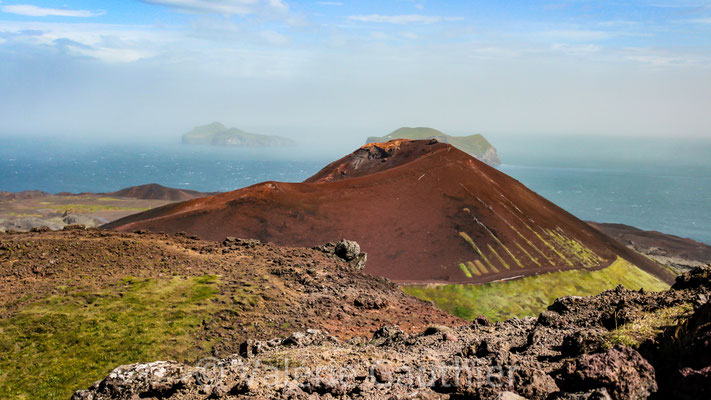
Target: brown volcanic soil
413	206
154	191
677	252
294	288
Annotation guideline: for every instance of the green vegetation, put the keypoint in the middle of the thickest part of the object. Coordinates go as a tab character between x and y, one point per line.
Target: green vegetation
91	208
217	134
530	295
475	145
586	257
466	270
469	240
26	215
571	251
648	326
67	341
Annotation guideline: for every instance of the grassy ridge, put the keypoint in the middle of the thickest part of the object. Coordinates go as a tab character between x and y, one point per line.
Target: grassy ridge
66	342
529	296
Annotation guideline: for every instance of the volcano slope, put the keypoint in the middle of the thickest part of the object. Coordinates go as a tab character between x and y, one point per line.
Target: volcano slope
424	211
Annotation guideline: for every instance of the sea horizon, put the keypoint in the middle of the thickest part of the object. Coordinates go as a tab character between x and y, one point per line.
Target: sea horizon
669	196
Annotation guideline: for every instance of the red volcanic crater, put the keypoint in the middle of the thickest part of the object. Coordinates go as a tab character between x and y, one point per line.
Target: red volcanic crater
424	211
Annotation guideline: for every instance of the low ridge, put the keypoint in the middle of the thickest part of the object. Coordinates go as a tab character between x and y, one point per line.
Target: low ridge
682	254
154	191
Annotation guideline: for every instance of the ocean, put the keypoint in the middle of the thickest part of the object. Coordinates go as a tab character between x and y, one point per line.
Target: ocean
653	184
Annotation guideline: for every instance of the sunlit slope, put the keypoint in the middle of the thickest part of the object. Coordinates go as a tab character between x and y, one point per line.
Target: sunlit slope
530	295
424	211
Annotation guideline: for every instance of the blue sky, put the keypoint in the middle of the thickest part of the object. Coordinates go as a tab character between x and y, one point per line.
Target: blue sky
562	67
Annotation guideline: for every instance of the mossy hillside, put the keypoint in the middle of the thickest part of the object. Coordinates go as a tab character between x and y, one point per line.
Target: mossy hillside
67	341
530	295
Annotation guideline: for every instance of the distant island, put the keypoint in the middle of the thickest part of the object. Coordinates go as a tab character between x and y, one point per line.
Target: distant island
475	145
216	134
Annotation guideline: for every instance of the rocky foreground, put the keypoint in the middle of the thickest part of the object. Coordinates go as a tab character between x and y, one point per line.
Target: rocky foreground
620	344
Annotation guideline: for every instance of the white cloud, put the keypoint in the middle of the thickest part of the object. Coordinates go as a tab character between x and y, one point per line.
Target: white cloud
105	42
112	55
577	35
227	7
656	60
402	19
278	5
273	37
576	50
34	11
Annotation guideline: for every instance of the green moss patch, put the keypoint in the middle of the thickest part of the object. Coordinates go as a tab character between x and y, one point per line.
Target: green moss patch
648	326
91	208
530	295
66	342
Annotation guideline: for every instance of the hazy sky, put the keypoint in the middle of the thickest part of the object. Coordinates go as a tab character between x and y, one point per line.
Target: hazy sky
348	69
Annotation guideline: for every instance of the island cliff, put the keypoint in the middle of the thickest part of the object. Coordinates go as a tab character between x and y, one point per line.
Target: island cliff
216	134
475	145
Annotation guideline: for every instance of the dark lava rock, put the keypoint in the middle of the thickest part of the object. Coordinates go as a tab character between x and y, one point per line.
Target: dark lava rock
387	331
481	321
369	302
689	374
156	379
382	373
347	249
694	384
309	337
696	278
582	342
237	242
622	371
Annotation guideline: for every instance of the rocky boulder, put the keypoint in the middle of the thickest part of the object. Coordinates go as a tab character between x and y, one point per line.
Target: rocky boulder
621	371
156	379
694	279
347	250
